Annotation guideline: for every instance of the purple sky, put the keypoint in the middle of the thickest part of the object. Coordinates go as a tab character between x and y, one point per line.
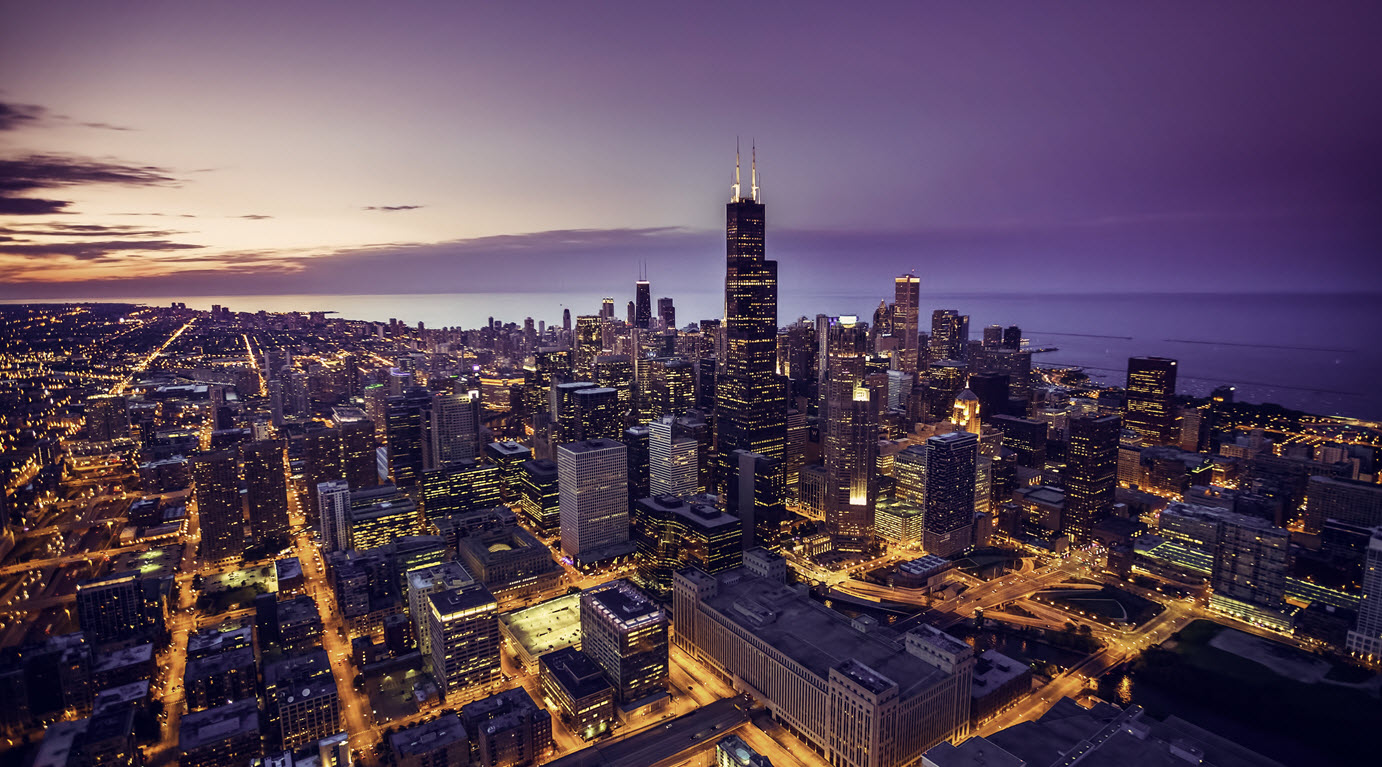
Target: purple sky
199	148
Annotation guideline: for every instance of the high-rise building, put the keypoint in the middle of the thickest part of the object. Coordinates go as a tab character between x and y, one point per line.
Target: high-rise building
1012	337
565	416
598	414
455	427
588	346
540	495
670	389
949	503
410	446
333	513
751	400
607	309
798	434
1151	391
424	582
464	642
1091	473
672	533
625	632
321	456
849	436
380	515
1366	637
1344	500
615	371
672	465
1250	564
639	461
643	304
507	456
107	417
266	489
593	482
965	412
949	335
215	487
118	607
459	487
755	494
357	446
667	312
1025	437
906	302
579	690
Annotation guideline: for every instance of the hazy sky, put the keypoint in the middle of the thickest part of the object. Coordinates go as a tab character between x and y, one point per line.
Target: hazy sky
172	148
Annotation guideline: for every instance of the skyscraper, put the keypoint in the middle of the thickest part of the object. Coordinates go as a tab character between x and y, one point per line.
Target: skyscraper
755	494
357	447
463	625
667	312
751	400
1091	475
849	436
266	489
333	510
615	371
672	468
643	304
215	487
593	483
906	299
588	346
949	335
1366	637
949	504
455	427
625	632
410	446
1151	395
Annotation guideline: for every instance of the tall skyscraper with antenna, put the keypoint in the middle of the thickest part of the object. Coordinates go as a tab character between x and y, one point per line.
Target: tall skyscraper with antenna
643	301
751	400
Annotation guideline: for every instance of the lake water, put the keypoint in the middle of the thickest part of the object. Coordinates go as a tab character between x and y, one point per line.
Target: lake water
1313	352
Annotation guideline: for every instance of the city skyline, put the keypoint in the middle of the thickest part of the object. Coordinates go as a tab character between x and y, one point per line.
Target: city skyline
216	153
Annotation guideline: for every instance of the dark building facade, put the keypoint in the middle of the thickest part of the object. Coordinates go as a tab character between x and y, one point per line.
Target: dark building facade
1151	408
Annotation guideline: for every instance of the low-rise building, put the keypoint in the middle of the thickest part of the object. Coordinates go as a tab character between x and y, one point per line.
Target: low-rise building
442	742
225	736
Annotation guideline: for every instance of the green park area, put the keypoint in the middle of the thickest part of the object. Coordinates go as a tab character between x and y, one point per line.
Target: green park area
1108	604
1269	687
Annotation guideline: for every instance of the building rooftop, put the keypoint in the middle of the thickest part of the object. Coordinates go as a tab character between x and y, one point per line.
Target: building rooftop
925	566
812	634
129	656
623	604
119	696
574	670
993	670
508	449
590	445
213	641
546	626
211	665
439	733
451	601
202	728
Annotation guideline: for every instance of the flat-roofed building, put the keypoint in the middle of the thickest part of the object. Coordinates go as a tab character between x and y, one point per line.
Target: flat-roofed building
507	729
464	642
442	742
575	686
858	694
593	482
540	496
216	679
625	632
545	627
225	736
510	561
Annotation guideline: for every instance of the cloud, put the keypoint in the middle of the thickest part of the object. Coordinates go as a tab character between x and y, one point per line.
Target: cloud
50	171
392	208
14	116
30	206
51	229
105	126
255	216
86	251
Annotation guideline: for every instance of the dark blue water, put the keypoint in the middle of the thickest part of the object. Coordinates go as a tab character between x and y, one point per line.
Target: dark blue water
1316	353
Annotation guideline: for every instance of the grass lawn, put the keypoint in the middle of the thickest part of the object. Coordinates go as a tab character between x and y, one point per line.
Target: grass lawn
1109	604
1335	719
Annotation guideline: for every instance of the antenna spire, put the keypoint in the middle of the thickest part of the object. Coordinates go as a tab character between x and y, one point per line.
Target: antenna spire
753	169
735	186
